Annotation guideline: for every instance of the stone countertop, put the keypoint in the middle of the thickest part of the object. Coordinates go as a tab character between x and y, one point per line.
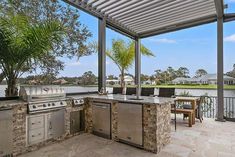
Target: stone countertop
11	103
127	98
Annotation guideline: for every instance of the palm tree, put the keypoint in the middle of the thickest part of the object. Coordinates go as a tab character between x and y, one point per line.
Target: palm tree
123	55
23	44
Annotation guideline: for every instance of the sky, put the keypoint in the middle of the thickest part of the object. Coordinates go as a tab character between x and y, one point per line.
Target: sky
194	48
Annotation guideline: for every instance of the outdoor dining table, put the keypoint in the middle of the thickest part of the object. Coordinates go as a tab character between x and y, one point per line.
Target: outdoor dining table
194	102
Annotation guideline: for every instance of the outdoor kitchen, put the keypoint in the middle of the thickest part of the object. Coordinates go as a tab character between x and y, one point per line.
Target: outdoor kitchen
44	115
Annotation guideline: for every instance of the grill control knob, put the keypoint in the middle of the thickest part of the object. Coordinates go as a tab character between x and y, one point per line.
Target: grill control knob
34	106
61	103
44	105
49	104
53	104
76	101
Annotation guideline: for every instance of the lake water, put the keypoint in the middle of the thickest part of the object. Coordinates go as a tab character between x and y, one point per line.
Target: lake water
194	92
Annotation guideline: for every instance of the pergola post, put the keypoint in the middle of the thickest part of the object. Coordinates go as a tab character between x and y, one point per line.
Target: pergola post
137	67
220	70
102	55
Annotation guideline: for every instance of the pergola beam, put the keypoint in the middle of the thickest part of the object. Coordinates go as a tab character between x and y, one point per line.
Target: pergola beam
183	25
229	17
219	5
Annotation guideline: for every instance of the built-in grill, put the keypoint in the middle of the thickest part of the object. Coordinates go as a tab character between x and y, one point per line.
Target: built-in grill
46	108
43	98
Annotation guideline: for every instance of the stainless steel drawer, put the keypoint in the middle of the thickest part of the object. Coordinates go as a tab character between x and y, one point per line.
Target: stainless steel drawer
101	114
36	136
130	123
35	122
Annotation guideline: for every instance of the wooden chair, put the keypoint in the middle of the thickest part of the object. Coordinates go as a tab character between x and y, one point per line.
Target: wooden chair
147	91
188	112
204	105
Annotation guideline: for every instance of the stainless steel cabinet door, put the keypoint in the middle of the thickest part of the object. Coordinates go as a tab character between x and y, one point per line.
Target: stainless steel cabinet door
55	124
75	122
101	118
6	129
130	123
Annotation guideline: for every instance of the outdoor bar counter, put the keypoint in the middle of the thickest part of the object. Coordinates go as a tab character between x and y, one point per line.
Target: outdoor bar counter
155	118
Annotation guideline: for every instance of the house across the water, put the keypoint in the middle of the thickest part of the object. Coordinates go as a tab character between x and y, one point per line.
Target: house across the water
205	79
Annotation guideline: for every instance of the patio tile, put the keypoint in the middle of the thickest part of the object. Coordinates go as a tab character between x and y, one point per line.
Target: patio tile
207	139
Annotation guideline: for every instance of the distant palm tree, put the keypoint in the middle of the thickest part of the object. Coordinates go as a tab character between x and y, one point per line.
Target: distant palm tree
23	44
123	55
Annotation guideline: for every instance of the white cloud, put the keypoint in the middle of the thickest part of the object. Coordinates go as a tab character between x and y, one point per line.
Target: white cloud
230	38
163	40
231	1
74	63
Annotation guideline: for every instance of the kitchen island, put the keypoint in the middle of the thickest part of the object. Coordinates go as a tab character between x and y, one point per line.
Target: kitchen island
144	123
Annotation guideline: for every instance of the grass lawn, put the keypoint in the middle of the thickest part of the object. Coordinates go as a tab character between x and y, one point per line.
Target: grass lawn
190	86
174	86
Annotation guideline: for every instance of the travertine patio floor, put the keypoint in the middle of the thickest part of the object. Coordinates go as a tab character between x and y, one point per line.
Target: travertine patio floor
207	139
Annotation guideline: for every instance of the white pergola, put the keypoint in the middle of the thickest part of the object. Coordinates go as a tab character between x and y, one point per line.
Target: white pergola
144	18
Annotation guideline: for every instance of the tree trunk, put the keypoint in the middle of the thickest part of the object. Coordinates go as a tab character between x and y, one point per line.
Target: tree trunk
11	89
2	76
122	81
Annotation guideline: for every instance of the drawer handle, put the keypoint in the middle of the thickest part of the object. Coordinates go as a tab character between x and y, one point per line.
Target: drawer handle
38	135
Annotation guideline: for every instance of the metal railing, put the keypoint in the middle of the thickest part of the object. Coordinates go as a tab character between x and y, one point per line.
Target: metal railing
211	108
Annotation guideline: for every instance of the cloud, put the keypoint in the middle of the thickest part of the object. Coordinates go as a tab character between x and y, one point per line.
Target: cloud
230	38
74	63
231	1
163	40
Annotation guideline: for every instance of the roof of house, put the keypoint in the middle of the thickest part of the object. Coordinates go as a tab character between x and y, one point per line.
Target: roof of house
206	77
214	77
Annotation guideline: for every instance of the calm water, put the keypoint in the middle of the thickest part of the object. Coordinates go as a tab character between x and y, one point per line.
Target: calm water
194	92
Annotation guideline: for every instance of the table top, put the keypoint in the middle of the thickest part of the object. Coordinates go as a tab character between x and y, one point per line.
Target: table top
181	98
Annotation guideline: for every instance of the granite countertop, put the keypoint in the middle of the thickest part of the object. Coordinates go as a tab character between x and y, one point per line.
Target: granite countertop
11	103
128	98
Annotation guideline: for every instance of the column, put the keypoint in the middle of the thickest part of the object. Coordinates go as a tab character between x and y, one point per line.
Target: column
102	55
220	70
137	67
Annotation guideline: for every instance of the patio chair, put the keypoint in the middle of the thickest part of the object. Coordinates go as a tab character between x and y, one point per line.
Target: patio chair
117	90
203	106
147	91
131	91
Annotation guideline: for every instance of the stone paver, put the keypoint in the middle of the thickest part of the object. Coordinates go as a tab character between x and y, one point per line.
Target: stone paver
207	139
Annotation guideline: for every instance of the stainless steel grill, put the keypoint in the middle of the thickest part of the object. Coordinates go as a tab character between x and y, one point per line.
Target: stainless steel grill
43	98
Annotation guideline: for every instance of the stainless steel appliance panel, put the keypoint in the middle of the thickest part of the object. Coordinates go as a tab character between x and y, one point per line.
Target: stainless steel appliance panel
77	121
55	124
35	122
6	129
101	115
36	136
130	123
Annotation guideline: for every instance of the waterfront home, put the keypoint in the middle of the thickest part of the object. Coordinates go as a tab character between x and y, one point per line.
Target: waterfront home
205	79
